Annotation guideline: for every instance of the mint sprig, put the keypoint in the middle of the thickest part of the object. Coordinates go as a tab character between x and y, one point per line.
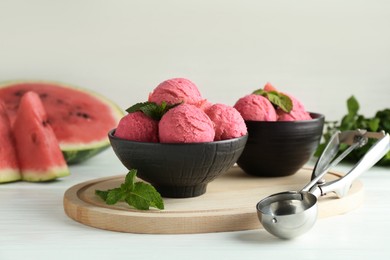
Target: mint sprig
352	120
152	109
281	100
139	195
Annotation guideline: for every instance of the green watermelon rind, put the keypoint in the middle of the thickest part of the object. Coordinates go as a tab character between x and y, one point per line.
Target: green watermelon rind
75	156
45	175
9	175
77	153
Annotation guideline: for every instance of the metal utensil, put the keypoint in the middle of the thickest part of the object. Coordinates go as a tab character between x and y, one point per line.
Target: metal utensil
292	213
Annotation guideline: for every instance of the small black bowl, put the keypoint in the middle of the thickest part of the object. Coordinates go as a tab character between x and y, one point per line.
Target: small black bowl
178	170
280	148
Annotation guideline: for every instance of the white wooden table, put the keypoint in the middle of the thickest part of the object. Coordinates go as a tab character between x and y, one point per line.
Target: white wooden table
33	225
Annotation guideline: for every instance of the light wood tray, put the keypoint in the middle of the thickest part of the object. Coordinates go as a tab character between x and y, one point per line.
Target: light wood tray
228	205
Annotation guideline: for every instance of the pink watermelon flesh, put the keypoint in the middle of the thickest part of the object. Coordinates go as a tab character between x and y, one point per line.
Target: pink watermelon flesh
9	168
80	119
38	151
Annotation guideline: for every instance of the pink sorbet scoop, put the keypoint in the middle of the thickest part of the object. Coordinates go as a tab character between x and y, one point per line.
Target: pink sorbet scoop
228	122
186	124
175	91
137	127
256	108
298	112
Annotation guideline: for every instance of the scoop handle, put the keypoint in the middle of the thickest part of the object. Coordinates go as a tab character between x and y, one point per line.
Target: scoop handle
374	154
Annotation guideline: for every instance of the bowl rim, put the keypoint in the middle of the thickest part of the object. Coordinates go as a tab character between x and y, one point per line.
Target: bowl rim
317	117
112	136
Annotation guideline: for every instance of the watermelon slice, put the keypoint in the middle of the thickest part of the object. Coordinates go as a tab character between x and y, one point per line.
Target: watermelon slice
80	119
9	168
38	151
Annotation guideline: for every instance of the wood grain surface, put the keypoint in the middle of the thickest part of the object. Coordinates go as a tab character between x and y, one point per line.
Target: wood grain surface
228	205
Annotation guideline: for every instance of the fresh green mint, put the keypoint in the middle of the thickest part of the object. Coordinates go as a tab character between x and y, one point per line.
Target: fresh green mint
152	109
139	195
280	100
352	121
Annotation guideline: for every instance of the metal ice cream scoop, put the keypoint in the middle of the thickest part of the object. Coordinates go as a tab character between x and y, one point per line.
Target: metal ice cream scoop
292	213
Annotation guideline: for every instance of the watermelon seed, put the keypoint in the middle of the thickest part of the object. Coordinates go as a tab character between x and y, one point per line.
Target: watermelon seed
34	138
19	93
43	95
83	115
45	122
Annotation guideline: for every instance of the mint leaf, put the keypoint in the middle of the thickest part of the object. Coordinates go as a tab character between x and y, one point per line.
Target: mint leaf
374	124
152	109
110	196
384	119
130	178
140	195
102	194
137	202
284	102
114	196
145	192
144	196
136	107
278	99
352	121
260	92
353	106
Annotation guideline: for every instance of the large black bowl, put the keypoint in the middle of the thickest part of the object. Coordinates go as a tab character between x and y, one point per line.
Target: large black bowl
280	148
178	170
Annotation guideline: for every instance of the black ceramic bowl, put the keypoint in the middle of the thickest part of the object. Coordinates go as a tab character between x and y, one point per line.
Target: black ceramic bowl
280	148
178	170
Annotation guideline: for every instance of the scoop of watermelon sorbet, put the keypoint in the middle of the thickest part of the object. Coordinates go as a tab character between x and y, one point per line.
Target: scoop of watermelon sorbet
298	112
256	108
228	122
138	127
204	104
186	124
175	91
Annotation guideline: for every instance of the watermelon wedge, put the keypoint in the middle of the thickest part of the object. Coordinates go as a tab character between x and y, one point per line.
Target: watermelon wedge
38	151
9	168
79	118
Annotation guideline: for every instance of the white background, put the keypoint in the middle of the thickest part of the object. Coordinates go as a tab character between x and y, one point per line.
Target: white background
320	51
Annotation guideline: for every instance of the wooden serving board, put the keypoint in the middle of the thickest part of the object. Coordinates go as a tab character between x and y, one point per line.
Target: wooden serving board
228	205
